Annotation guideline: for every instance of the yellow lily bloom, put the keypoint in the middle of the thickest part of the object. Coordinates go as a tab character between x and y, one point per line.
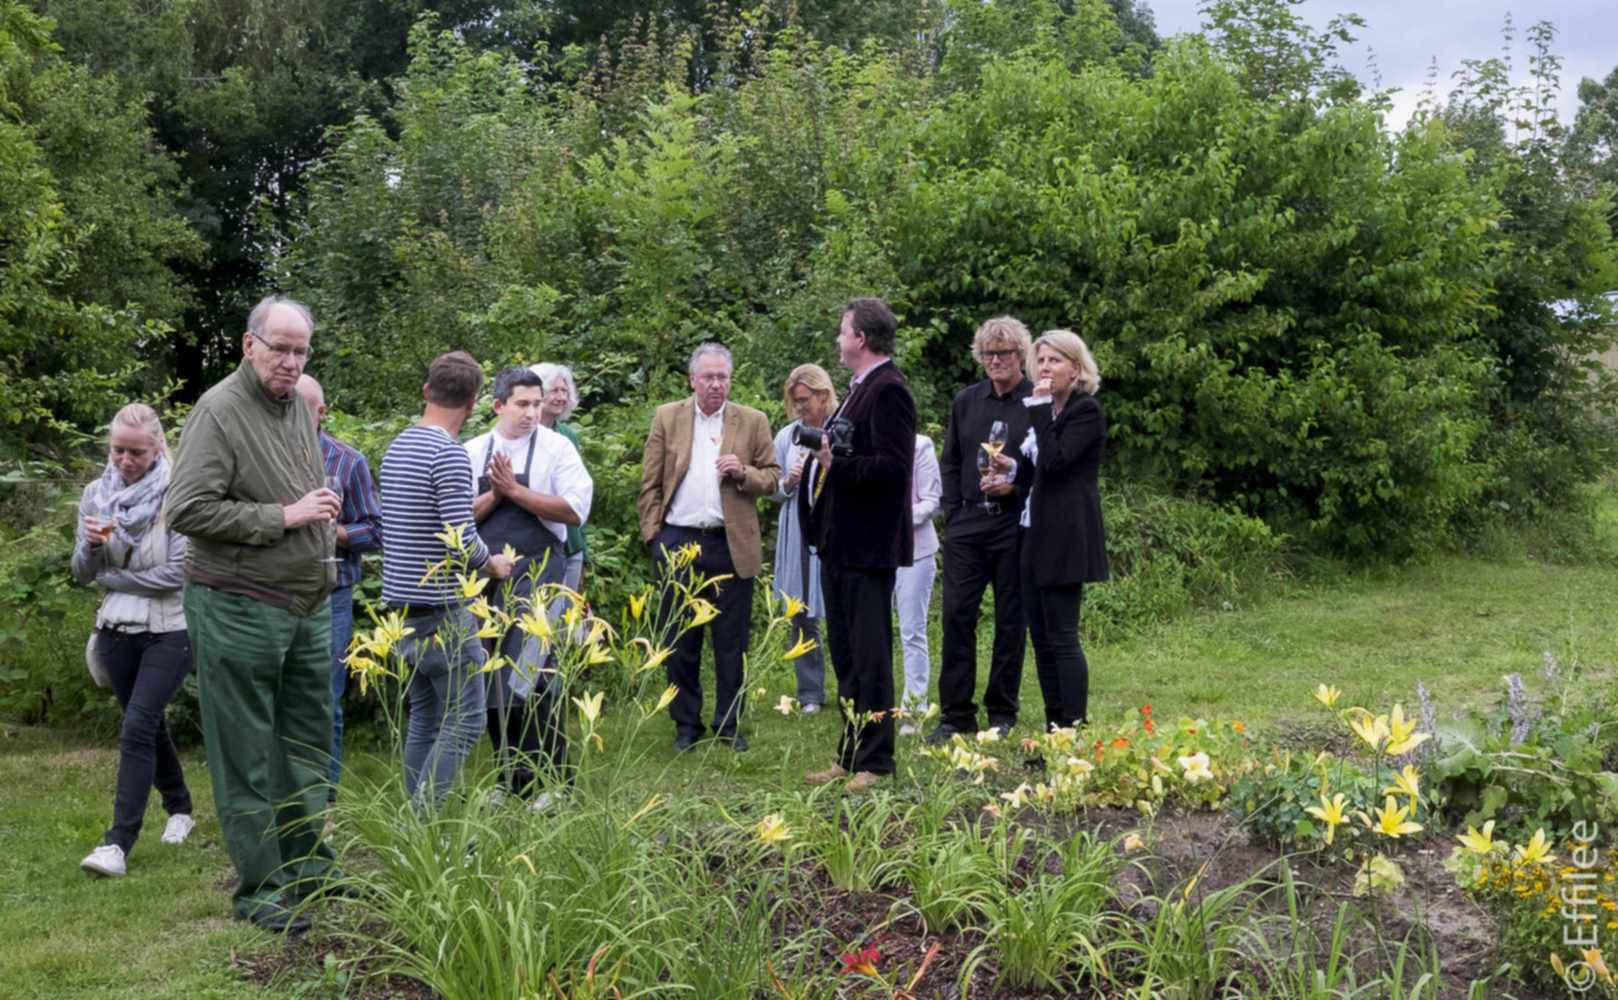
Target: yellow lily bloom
1402	735
1537	850
655	657
666	699
494	663
597	654
590	706
785	705
471	585
772	829
1373	729
509	552
804	645
390	630
1406	782
452	538
1327	695
1018	797
637	606
703	611
1592	958
1391	821
1329	812
1478	843
490	629
794	607
535	623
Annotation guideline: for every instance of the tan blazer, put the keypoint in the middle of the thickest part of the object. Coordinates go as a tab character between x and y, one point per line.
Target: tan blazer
668	456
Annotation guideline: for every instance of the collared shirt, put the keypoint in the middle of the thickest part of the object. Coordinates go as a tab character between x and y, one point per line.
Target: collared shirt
362	516
557	469
696	501
975	409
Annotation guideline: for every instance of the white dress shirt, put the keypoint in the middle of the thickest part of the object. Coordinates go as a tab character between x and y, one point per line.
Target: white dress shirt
557	470
696	500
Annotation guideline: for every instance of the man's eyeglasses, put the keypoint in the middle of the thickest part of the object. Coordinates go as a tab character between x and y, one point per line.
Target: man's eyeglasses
713	378
277	351
1000	354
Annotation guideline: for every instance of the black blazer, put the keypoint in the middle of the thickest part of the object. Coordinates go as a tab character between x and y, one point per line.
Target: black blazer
862	517
1066	542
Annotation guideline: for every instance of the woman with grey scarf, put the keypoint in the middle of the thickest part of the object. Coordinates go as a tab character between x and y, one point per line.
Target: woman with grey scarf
140	644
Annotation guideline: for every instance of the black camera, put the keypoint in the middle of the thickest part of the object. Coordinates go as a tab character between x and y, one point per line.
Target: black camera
839	431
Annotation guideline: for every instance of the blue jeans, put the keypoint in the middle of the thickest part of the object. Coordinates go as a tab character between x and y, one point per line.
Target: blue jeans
446	701
146	669
342	630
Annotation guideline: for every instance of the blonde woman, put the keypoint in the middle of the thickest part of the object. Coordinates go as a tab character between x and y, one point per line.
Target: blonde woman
811	399
122	546
1064	543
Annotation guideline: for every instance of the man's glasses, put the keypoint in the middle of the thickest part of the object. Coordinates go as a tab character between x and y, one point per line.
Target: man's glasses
277	351
1000	354
713	379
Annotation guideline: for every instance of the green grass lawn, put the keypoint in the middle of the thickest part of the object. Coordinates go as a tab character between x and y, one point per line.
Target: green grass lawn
1456	623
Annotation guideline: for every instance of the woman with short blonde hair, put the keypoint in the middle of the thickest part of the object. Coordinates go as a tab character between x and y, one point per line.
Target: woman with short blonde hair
1064	543
811	399
139	647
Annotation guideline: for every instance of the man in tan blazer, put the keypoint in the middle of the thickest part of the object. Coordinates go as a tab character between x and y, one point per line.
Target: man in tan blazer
707	461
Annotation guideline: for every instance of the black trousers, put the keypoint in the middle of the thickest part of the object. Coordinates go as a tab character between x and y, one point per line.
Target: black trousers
530	740
859	633
730	630
1064	675
146	670
979	553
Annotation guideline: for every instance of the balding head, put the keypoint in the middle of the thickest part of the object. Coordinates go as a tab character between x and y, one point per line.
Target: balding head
314	396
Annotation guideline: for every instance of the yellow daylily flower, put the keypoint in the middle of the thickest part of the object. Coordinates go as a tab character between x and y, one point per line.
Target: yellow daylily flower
703	611
637	606
655	657
1327	695
1478	843
1592	958
1329	812
1537	850
481	609
597	654
784	706
990	735
772	829
804	645
471	585
509	552
494	663
666	699
1407	782
1017	797
535	623
489	629
794	607
1373	729
1391	821
1402	735
590	706
452	538
390	629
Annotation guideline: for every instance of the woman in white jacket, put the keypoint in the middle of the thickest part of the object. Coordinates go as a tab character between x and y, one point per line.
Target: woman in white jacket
913	585
140	644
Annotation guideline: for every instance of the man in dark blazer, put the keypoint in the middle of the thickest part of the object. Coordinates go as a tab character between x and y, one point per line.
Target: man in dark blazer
856	503
706	463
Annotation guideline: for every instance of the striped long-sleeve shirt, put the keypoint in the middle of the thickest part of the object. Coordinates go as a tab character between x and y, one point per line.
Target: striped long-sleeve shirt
426	487
360	518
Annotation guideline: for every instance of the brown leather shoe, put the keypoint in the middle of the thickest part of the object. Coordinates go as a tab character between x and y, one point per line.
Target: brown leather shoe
861	782
825	777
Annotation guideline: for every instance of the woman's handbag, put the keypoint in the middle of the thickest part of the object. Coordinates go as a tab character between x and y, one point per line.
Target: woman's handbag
98	673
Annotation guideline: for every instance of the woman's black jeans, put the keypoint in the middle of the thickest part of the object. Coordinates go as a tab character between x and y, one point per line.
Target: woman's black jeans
1053	631
146	669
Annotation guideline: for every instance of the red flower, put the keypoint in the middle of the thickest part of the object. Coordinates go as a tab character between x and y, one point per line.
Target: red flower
1120	743
862	962
1146	709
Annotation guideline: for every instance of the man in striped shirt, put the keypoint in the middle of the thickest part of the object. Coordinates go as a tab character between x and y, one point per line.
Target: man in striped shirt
426	489
359	530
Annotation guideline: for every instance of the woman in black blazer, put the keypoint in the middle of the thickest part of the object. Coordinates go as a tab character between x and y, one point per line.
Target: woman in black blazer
1063	540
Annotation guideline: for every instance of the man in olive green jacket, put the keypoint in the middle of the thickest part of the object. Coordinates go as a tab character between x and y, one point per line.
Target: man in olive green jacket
248	493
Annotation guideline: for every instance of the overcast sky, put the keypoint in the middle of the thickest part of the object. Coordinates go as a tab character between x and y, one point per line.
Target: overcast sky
1407	35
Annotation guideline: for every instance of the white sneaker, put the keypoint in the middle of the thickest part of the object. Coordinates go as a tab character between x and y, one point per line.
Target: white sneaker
544	802
909	729
810	709
179	827
108	860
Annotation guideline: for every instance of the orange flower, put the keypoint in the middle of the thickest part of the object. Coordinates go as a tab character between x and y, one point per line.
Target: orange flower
1120	743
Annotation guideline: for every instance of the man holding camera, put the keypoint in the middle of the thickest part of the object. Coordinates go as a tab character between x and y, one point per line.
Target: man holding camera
855	499
706	463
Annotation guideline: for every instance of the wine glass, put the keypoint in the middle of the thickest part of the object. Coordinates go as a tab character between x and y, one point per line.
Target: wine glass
335	484
997	436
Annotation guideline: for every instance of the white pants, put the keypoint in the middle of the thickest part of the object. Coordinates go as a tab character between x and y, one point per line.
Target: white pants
913	592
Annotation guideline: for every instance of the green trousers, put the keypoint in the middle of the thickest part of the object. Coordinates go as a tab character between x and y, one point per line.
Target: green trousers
264	685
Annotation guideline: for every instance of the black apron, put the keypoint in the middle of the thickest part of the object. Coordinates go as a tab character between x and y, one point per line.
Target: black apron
510	524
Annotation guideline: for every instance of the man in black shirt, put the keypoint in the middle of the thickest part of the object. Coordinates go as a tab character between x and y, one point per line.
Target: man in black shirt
980	541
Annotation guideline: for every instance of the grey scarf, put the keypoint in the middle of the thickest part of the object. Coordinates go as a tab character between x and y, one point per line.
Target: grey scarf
132	507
